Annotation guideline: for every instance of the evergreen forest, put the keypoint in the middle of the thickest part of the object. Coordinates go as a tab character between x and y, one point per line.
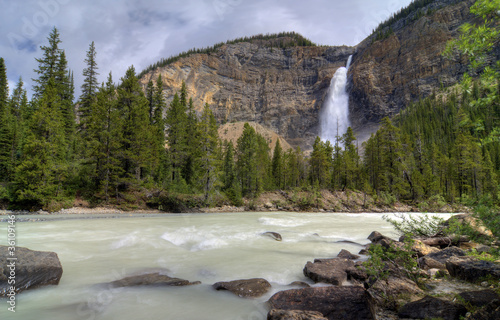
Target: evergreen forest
116	141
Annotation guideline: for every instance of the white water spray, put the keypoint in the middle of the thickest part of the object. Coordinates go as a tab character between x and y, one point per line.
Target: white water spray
335	111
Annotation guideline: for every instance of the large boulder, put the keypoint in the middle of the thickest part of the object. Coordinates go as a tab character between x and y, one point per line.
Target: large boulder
388	293
376	237
422	249
479	298
151	279
347	255
331	271
443	255
432	308
488	312
247	288
31	269
427	263
276	314
471	269
343	303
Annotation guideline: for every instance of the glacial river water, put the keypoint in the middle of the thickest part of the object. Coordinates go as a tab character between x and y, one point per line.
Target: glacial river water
204	247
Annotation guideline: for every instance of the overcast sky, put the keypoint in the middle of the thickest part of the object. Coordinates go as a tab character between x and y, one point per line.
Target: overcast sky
140	32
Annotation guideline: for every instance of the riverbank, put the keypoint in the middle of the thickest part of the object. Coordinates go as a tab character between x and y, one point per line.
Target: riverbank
287	201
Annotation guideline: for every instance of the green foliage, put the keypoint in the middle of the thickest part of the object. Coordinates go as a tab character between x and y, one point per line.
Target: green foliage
414	11
416	226
384	261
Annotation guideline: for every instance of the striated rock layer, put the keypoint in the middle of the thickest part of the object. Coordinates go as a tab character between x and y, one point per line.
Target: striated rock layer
386	75
283	89
280	89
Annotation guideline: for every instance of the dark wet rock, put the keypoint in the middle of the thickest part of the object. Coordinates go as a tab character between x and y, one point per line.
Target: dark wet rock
347	255
32	269
356	273
276	236
276	314
387	292
151	279
247	288
331	271
447	253
488	312
364	252
432	308
332	302
471	269
376	236
300	284
479	298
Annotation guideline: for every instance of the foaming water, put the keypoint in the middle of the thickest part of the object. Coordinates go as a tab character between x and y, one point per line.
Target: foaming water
334	118
204	247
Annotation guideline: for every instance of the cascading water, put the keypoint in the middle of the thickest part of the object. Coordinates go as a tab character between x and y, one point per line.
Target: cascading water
335	112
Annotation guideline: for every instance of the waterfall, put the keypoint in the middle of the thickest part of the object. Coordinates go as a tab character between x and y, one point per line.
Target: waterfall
334	117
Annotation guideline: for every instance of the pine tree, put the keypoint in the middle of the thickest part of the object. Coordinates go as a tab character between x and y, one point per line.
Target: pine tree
47	66
229	171
350	157
66	95
190	168
159	107
137	145
89	87
105	129
246	160
176	120
320	163
277	165
5	125
150	91
40	176
209	158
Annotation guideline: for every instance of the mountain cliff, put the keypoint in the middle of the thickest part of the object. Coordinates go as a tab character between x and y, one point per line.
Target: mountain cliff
387	74
280	88
283	89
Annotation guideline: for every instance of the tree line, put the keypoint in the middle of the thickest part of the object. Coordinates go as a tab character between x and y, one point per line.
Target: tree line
118	139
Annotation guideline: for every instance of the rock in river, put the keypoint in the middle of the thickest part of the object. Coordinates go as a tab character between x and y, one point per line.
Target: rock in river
32	269
247	288
328	270
343	303
151	279
276	236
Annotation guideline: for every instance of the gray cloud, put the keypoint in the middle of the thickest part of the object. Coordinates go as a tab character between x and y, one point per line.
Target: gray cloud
141	32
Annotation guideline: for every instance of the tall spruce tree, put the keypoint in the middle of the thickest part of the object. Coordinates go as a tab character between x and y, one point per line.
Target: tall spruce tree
176	125
277	165
47	65
209	152
137	143
89	87
5	125
246	160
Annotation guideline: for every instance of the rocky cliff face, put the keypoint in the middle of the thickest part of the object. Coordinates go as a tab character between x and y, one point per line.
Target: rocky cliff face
281	89
387	74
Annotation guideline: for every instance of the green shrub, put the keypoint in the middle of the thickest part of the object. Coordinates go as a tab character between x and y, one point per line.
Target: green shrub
415	226
383	261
